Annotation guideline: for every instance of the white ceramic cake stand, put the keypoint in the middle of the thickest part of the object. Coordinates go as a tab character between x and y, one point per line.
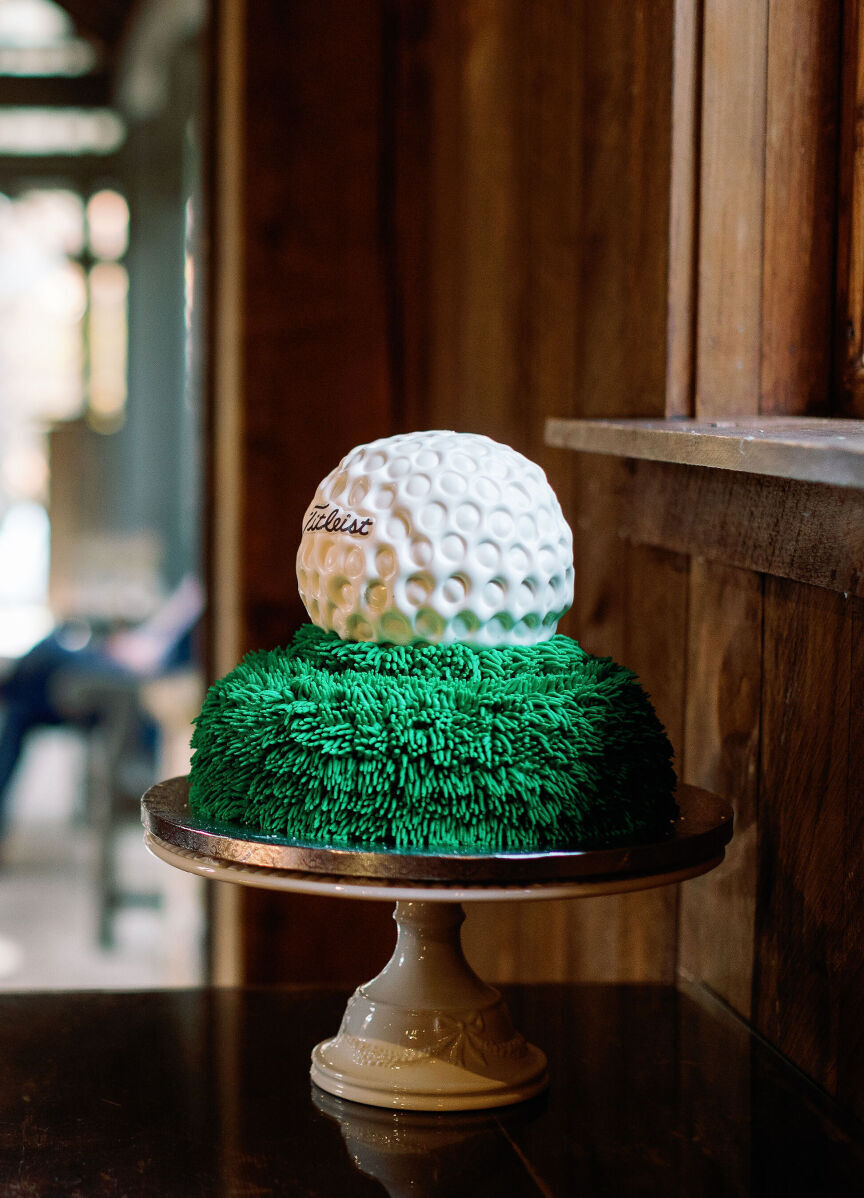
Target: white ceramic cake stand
426	1033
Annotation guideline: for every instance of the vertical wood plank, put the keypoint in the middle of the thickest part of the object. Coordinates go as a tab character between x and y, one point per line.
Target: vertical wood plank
731	205
617	938
224	443
721	752
803	119
656	649
625	214
802	810
850	1074
404	207
315	368
447	233
491	191
552	101
849	322
315	343
683	199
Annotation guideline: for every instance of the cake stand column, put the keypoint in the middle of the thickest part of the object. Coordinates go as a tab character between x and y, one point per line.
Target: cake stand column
427	1033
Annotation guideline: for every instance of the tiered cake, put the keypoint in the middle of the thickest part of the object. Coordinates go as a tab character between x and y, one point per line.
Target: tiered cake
430	705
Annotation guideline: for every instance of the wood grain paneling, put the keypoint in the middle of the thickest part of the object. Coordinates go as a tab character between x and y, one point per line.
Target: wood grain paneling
803	531
316	369
548	299
316	362
624	230
656	649
683	207
407	124
802	807
731	206
721	753
849	323
617	938
802	128
850	1070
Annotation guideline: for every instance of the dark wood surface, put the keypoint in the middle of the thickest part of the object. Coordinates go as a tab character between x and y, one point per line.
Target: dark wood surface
206	1092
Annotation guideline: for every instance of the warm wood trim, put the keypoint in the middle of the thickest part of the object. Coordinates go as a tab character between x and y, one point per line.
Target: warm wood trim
801	140
721	753
850	242
808	449
802	531
226	483
684	171
731	207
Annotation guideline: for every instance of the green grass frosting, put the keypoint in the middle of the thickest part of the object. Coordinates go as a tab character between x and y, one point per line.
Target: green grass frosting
434	747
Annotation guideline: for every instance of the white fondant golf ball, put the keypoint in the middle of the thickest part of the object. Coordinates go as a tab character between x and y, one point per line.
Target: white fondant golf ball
436	537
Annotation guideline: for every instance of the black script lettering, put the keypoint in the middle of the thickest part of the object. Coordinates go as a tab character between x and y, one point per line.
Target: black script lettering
327	519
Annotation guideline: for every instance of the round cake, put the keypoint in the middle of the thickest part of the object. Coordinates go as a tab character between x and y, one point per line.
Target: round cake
431	705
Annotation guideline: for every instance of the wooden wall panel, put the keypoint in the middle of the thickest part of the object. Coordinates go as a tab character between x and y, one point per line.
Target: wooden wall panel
624	231
616	938
544	112
802	810
683	205
849	320
315	365
721	753
850	1069
768	191
547	298
731	204
656	649
802	133
316	375
807	532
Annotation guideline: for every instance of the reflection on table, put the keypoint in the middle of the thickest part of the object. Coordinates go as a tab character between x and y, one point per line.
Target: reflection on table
207	1092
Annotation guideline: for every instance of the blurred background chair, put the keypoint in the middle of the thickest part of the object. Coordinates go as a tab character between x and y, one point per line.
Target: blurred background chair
128	691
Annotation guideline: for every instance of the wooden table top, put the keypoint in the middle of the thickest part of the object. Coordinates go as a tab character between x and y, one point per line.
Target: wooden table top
206	1092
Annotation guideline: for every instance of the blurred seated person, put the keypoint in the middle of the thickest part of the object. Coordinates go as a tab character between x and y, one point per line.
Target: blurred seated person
33	693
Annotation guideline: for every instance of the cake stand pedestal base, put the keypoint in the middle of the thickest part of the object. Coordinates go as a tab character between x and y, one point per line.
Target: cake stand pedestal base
427	1034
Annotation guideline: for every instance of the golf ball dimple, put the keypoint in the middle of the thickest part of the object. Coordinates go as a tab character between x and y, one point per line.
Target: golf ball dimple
436	537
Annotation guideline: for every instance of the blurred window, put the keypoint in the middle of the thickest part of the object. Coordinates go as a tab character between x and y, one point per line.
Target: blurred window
38	38
67	131
63	349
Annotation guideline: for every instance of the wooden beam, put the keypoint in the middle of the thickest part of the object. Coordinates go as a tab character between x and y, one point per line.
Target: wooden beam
731	206
802	131
810	449
800	531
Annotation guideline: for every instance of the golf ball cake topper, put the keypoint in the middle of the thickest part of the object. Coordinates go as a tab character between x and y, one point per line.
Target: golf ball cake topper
436	537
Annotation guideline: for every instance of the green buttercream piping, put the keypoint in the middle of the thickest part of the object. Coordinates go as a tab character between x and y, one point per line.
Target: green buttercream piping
441	747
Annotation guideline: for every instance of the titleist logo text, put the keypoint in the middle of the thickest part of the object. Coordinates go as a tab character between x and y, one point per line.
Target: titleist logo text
324	518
